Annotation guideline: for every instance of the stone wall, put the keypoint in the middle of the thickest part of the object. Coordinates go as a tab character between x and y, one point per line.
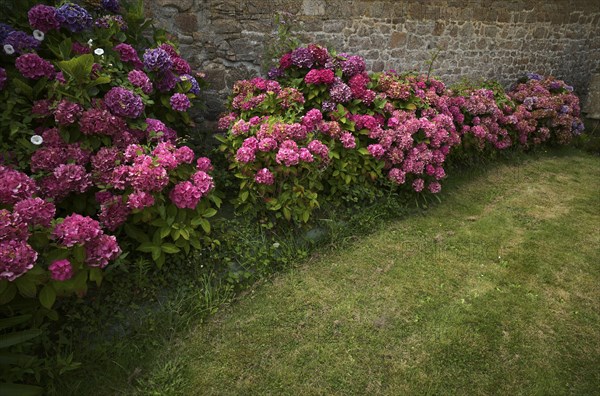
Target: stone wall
477	39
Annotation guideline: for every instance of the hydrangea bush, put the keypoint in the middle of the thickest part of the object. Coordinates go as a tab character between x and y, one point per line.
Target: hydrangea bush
321	127
91	163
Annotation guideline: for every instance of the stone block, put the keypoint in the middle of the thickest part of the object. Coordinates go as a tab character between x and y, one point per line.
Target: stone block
181	5
186	23
397	39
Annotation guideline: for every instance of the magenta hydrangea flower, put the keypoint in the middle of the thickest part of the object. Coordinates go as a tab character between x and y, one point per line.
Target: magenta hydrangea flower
104	162
145	175
43	17
61	270
180	102
204	164
80	49
264	176
34	67
67	112
15	186
180	66
203	181
113	213
72	178
245	154
76	230
16	258
318	148
102	250
418	185
267	144
319	76
128	54
35	211
376	150
103	196
302	57
184	155
166	82
139	79
348	140
124	103
396	175
12	226
312	118
140	200
434	187
165	155
305	155
185	195
101	122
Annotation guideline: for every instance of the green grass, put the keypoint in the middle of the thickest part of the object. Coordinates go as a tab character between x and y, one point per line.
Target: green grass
494	291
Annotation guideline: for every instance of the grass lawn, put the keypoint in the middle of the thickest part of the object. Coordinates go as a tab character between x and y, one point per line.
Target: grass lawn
495	291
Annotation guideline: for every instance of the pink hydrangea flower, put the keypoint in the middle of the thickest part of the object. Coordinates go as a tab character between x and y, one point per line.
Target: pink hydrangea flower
348	140
140	200
418	185
264	176
318	148
245	155
76	229
67	112
15	186
203	181
16	258
12	226
35	211
204	164
434	187
34	67
185	195
102	250
184	155
376	150
61	270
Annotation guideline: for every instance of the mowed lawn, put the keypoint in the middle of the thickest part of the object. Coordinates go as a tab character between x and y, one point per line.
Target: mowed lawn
494	291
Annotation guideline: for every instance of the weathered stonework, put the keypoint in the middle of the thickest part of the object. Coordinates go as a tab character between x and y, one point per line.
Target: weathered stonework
477	39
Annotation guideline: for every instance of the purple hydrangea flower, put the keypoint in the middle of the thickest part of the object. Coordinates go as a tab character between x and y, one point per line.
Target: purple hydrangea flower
111	5
5	30
180	102
139	79
157	59
302	57
3	78
122	102
74	17
340	92
21	41
275	73
353	65
195	88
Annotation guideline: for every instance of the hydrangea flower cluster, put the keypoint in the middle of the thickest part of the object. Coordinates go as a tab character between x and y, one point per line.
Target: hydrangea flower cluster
371	129
96	158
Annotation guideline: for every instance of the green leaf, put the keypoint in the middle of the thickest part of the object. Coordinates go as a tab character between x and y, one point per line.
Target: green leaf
8	294
26	286
160	261
156	253
210	212
287	213
363	151
18	337
244	196
136	233
79	253
20	390
146	247
47	296
185	234
165	231
15	359
13	321
169	248
205	225
96	276
80	281
79	68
